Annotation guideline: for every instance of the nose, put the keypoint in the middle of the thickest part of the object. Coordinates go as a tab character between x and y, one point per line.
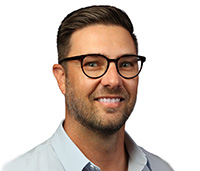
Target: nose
112	79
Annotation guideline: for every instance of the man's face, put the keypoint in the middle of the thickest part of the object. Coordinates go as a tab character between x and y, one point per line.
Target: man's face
104	104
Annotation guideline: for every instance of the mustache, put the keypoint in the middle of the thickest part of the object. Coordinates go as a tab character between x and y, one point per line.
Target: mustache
107	91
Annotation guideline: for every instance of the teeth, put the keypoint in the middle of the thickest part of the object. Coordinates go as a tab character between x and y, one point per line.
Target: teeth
109	100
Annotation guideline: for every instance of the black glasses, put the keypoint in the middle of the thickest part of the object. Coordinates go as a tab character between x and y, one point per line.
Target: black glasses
96	65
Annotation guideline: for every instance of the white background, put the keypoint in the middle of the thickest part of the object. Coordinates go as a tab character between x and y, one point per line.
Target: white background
166	117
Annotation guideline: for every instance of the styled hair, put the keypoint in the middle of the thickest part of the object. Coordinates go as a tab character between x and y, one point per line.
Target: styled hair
107	15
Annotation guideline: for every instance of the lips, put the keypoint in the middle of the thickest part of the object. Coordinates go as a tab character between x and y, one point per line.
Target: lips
110	102
109	99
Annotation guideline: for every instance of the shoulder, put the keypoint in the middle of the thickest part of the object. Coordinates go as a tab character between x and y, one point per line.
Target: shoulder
156	163
41	157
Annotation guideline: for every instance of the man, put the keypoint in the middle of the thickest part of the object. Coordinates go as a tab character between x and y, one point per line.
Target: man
98	75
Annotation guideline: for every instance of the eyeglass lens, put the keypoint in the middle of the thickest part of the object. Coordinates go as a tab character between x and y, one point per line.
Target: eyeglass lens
96	66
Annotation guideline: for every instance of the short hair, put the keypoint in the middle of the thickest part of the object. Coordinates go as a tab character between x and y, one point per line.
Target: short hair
107	15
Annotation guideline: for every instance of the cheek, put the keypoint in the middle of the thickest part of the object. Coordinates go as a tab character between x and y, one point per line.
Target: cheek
131	87
82	85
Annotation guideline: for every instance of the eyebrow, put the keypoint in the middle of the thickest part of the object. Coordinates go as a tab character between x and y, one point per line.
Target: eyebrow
108	56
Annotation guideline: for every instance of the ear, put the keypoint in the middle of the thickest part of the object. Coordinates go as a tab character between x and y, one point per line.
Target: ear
59	74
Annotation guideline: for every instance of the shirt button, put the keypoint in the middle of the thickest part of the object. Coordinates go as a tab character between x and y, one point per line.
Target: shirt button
94	168
91	166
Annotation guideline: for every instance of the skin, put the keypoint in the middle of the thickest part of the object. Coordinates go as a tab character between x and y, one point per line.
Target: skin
103	146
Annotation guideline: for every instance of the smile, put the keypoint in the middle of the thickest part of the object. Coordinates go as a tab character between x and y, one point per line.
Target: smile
109	100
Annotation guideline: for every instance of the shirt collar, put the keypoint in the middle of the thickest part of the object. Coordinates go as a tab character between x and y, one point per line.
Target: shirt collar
73	159
137	158
68	153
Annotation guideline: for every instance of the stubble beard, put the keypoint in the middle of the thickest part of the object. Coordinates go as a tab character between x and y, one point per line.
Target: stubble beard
87	114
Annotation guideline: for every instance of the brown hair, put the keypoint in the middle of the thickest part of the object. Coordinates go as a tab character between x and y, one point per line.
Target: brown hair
107	15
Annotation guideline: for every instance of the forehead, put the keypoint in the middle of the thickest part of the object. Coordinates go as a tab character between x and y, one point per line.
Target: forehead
108	40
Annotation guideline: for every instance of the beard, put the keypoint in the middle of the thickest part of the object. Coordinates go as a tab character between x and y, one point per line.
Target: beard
89	115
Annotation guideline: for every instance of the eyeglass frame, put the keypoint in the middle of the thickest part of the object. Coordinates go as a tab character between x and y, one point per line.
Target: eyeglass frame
81	58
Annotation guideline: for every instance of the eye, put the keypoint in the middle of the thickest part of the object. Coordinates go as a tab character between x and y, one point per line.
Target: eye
91	64
126	64
94	63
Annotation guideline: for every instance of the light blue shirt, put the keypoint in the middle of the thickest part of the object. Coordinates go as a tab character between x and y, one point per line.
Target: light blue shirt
59	153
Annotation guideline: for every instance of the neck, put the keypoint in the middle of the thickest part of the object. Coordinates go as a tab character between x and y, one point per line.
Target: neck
106	151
